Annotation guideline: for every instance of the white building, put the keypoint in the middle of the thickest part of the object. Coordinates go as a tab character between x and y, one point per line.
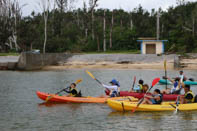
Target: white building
151	46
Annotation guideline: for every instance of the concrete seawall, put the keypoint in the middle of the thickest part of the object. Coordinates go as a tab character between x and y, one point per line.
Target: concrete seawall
31	61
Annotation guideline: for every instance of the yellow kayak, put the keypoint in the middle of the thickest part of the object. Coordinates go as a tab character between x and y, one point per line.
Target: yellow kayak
165	106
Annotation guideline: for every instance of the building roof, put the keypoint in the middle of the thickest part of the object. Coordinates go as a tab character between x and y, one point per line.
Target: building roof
152	40
147	38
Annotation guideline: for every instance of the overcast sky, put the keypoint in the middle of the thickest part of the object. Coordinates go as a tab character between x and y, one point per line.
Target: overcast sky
129	5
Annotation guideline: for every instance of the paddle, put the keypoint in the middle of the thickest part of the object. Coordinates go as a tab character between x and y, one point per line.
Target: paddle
91	75
165	68
49	97
154	82
134	82
177	104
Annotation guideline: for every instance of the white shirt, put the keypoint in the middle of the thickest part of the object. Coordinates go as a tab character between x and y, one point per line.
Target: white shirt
114	87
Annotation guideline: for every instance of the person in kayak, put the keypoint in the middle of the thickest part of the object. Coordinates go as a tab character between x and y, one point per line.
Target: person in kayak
182	76
114	88
145	88
156	98
72	91
188	97
176	88
139	87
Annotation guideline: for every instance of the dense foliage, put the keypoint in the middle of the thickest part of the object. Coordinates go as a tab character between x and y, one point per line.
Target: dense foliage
71	30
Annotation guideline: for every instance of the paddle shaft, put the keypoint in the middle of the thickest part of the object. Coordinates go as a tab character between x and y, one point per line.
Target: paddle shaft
134	82
165	68
98	81
93	77
177	103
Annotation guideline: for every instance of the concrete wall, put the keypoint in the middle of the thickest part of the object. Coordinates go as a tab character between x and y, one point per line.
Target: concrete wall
159	47
31	61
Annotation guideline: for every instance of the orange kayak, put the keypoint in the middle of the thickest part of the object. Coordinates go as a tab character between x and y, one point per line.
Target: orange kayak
64	99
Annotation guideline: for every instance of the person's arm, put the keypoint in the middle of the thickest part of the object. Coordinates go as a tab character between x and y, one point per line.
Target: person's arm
148	96
157	98
110	87
170	80
67	89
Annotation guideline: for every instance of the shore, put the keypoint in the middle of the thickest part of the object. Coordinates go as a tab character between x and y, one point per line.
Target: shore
105	65
98	61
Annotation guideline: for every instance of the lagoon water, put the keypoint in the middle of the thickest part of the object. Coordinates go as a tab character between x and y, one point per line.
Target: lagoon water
20	109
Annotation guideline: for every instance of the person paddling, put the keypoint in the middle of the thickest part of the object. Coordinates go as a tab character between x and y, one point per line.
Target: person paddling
156	98
114	88
139	87
73	91
182	76
188	97
176	88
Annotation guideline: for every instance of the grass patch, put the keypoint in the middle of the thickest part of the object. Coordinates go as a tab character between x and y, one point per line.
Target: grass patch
9	54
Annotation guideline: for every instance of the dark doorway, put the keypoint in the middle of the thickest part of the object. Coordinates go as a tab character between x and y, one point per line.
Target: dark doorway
150	48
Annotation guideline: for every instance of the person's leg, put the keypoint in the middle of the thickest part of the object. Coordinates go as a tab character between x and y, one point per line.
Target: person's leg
182	99
144	101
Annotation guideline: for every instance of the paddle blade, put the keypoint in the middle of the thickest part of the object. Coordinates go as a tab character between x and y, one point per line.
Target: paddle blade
155	81
78	81
165	64
134	82
134	79
90	74
48	98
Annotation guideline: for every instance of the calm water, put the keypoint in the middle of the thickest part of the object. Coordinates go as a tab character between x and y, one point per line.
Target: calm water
20	109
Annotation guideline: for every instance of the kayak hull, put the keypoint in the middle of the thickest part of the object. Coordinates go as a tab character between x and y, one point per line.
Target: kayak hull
165	106
166	97
65	99
163	81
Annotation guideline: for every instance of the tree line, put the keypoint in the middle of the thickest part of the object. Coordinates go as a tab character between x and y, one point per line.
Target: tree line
60	28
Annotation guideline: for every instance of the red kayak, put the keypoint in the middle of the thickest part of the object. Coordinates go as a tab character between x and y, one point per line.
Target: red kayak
166	97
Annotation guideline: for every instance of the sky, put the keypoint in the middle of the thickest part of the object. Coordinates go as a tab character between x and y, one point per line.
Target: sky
128	5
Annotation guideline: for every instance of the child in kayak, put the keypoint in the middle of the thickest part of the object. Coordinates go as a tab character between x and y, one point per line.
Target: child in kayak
145	88
139	87
177	86
114	88
72	91
156	98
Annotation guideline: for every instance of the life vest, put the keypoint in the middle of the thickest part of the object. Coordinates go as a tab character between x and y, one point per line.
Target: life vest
189	100
139	88
71	94
161	98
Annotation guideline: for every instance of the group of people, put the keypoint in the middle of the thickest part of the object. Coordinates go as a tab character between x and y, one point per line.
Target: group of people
157	96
